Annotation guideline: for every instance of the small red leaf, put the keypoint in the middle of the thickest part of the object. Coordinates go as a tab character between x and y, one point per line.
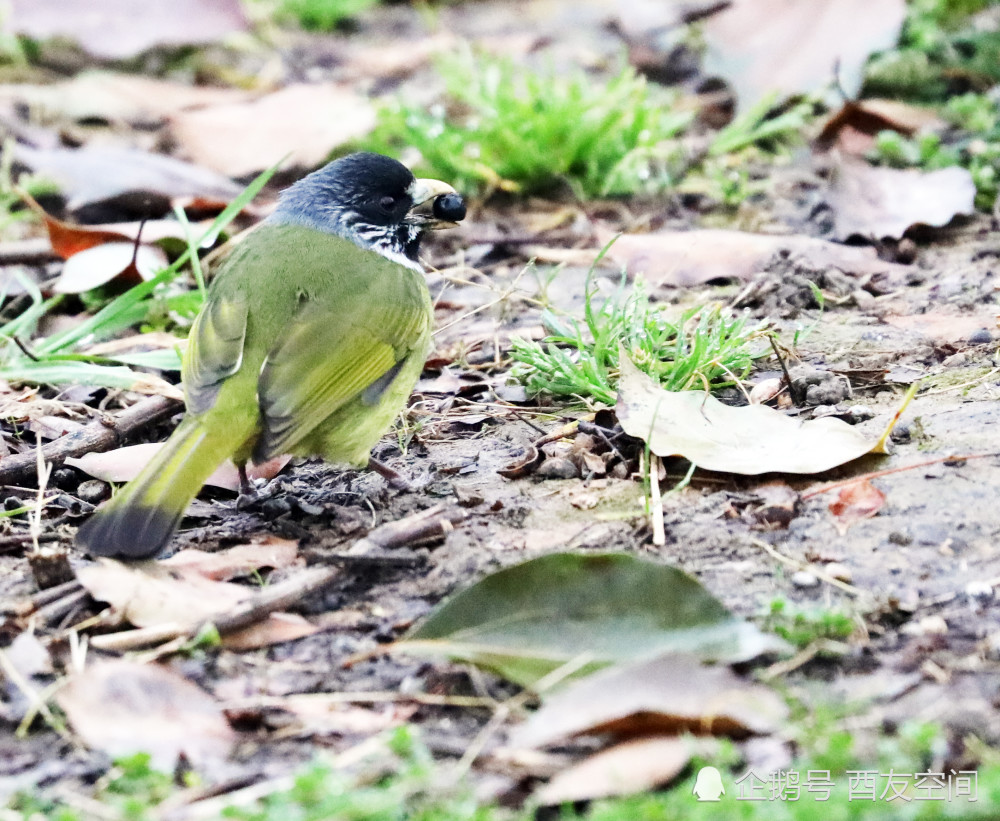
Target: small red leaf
858	500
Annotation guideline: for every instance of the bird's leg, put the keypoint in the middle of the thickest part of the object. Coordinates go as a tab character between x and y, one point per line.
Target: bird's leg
395	480
248	492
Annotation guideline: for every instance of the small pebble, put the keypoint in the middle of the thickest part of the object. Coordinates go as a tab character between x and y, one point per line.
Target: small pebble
64	478
980	337
932	626
979	590
861	413
12	503
955	360
93	491
620	470
557	467
804	579
900	538
901	433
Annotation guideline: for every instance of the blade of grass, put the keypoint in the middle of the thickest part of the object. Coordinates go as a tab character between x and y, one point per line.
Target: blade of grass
108	314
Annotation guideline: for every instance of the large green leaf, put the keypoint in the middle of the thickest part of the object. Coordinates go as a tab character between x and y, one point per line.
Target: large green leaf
591	610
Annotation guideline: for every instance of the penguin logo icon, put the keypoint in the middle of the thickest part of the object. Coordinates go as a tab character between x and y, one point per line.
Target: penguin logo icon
708	784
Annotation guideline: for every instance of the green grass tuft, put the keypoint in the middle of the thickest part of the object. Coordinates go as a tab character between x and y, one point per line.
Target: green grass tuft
504	126
803	626
703	347
321	15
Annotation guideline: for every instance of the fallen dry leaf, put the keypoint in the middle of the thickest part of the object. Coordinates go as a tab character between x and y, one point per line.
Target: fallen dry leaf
240	560
148	594
685	258
634	766
123	708
124	464
765	390
670	694
858	500
68	239
96	173
115	97
795	46
113	29
184	591
876	203
852	129
749	440
321	714
123	261
52	427
304	122
275	629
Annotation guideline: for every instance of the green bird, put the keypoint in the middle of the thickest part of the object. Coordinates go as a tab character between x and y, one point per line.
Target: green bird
313	333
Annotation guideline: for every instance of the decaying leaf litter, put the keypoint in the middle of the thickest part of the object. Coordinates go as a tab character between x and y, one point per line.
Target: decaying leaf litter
903	543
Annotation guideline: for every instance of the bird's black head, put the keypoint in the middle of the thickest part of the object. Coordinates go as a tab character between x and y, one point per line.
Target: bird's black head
366	198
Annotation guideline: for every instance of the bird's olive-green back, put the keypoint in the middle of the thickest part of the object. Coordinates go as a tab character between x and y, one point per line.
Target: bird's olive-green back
296	325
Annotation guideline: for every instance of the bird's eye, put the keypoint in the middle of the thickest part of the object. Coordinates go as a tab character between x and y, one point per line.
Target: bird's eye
387	204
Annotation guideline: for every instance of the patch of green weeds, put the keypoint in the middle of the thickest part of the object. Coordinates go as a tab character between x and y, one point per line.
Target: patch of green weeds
129	791
803	626
504	126
945	61
406	783
703	347
314	15
760	125
939	52
57	359
323	15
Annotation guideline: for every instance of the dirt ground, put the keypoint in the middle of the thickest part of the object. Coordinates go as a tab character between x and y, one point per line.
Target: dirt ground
920	573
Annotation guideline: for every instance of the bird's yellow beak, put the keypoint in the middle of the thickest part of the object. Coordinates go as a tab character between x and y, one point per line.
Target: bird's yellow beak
423	191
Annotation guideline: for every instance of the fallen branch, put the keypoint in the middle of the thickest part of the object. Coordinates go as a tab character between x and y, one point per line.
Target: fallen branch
101	434
419	528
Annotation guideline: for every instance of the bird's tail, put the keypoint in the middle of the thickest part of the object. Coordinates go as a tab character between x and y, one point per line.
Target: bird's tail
139	521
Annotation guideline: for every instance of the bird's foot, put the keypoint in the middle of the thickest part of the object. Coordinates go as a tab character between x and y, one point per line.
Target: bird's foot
248	491
396	480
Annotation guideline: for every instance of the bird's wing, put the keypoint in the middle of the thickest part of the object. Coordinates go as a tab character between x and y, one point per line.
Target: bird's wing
321	364
215	350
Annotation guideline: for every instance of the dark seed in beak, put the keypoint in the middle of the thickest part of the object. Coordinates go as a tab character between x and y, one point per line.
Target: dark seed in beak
449	208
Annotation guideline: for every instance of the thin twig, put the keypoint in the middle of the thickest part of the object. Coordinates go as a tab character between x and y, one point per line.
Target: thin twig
656	502
784	369
24	348
416	529
867	477
801	565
